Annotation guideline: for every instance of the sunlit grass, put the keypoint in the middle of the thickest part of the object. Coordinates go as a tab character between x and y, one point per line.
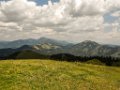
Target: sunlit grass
55	75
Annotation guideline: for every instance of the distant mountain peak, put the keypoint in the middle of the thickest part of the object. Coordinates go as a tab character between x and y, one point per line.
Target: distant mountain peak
43	38
90	42
53	41
87	41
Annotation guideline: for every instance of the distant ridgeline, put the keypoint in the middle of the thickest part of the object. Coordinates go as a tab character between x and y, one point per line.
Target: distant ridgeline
44	48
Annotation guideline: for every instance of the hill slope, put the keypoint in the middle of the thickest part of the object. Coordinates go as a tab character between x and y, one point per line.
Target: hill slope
26	54
54	75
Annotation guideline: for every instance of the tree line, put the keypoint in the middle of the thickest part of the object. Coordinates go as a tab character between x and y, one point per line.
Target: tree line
107	60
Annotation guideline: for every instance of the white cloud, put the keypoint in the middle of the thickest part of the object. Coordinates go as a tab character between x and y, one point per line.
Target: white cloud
116	14
112	5
84	7
9	27
17	10
67	18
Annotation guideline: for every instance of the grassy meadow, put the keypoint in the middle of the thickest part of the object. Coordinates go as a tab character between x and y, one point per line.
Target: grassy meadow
56	75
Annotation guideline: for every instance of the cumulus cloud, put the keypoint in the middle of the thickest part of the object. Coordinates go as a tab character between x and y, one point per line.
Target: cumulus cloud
116	14
84	7
112	5
17	10
66	18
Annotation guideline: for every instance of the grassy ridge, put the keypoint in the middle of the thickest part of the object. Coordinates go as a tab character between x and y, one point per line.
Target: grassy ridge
55	75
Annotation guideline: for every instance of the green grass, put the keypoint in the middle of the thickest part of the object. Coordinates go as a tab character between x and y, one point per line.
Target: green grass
55	75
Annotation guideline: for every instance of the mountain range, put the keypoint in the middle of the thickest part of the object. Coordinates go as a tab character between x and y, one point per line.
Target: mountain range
19	43
49	47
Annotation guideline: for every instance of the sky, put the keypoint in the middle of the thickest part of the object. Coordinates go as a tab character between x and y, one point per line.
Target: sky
69	20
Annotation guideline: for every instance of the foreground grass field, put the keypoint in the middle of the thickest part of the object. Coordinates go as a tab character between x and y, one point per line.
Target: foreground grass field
55	75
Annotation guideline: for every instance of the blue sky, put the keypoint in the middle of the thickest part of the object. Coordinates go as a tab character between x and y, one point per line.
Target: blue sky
39	2
109	18
42	2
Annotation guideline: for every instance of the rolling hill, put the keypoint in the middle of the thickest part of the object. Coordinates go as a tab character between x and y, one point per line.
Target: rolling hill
26	54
